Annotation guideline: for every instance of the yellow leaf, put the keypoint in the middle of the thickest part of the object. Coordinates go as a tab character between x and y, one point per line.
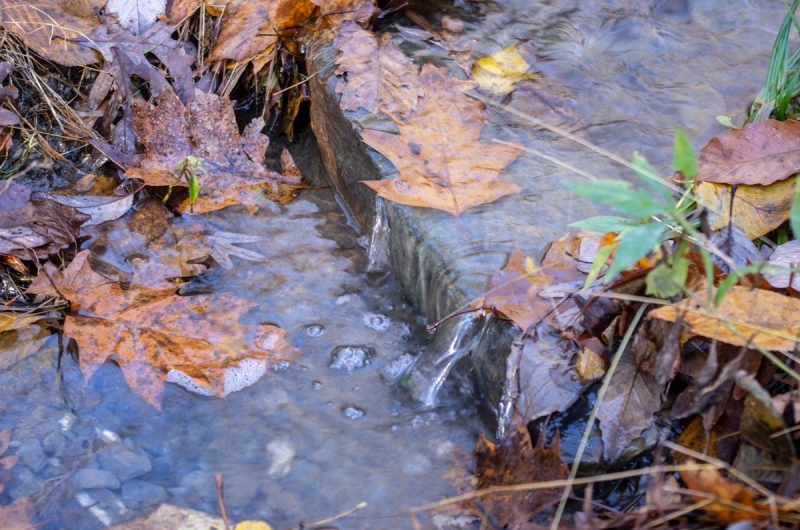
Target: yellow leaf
756	209
500	71
252	525
590	366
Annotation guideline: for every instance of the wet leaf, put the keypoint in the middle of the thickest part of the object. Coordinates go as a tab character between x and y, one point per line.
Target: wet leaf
169	516
736	245
252	525
150	332
380	77
336	12
757	210
628	408
500	71
136	15
18	515
34	227
53	28
712	482
513	291
761	318
517	461
99	208
233	170
782	262
759	153
438	152
590	366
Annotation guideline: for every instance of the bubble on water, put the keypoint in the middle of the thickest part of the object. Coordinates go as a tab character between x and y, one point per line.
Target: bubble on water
352	412
281	366
395	370
377	321
343	299
235	378
351	358
316	385
315	330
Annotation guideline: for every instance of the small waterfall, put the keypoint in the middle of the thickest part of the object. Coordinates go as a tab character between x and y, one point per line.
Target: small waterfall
378	254
455	339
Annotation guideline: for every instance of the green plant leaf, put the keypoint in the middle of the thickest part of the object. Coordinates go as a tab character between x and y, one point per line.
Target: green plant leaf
665	280
726	121
194	187
683	158
634	245
600	259
604	224
621	196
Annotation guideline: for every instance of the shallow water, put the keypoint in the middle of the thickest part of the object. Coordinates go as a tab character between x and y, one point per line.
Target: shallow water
308	441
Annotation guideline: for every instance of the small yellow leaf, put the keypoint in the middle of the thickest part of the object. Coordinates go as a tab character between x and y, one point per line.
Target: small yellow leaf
530	268
252	525
590	366
500	71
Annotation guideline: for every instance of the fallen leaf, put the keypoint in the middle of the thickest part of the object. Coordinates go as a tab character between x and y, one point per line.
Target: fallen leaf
174	517
757	210
757	154
438	152
52	28
252	525
736	245
500	71
778	271
179	10
590	366
34	227
711	481
514	290
151	332
760	318
336	12
232	169
548	380
380	77
99	208
18	515
628	407
517	461
136	15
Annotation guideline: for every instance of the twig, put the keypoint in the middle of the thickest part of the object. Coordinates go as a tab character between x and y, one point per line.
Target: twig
221	500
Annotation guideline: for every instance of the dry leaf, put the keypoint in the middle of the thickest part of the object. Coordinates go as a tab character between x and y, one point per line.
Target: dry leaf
380	77
232	169
778	273
18	515
757	154
438	152
517	461
52	28
590	366
711	481
336	12
136	15
758	318
756	209
31	226
151	332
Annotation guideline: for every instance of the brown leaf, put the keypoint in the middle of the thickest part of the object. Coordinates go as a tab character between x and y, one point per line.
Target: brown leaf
711	481
18	515
380	77
778	271
756	209
151	332
759	153
517	461
52	28
514	290
760	318
232	169
169	516
336	12
438	152
628	407
34	227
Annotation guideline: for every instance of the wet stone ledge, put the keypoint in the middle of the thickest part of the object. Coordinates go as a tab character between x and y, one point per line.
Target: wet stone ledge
625	88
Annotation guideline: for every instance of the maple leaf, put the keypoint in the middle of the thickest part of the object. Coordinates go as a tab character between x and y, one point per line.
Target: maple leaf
438	152
711	481
759	153
517	461
53	28
380	77
151	332
756	317
33	226
232	164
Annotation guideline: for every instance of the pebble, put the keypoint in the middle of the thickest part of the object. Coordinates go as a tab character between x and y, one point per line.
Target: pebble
55	444
24	483
89	478
124	462
352	412
141	495
31	454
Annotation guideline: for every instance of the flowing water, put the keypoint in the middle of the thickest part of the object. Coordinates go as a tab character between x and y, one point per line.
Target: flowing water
316	437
